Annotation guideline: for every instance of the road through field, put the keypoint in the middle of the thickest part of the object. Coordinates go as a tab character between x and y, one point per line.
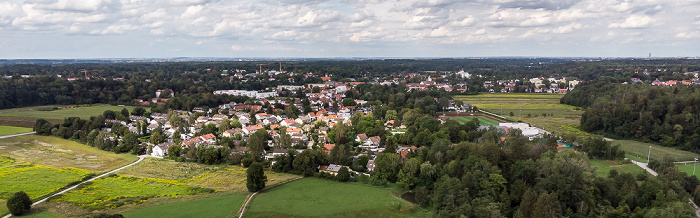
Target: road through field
20	134
89	180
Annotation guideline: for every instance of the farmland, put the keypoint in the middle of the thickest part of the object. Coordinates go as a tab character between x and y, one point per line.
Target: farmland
220	178
328	198
27	116
10	130
60	153
531	108
115	191
222	206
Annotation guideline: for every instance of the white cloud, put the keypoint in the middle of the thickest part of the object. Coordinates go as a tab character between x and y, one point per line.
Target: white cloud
634	22
688	35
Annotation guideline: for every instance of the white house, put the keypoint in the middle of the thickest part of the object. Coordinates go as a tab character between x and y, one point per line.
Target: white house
160	150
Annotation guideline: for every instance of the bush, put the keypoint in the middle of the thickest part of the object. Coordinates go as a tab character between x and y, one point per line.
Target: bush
19	203
180	159
343	175
105	215
247	161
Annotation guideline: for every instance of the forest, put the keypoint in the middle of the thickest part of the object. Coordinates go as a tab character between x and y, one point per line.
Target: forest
660	114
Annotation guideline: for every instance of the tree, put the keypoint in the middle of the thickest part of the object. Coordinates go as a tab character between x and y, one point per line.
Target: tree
257	143
547	205
19	203
387	166
256	177
343	174
349	102
128	142
42	127
138	111
306	162
157	137
125	112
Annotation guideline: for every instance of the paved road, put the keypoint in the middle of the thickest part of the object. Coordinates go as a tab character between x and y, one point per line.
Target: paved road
89	180
644	166
9	136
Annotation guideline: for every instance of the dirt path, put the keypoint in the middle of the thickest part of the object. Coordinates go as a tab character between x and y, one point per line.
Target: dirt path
10	136
89	180
250	198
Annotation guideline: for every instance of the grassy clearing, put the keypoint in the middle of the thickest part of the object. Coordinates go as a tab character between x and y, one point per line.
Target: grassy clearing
60	153
82	111
483	121
220	178
688	169
223	206
115	191
639	150
317	197
603	167
36	180
11	130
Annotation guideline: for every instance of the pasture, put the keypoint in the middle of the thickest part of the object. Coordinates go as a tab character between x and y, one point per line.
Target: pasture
221	178
11	130
603	167
221	206
62	111
639	150
114	191
483	121
540	110
60	153
323	198
688	169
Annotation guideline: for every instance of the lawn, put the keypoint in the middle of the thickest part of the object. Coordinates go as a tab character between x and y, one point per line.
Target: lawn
222	206
639	150
323	198
11	130
603	167
115	191
483	121
63	111
688	169
220	178
60	153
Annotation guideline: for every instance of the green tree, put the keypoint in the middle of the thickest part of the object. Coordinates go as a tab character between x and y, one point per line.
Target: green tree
138	111
42	127
256	177
128	142
174	151
257	143
547	206
307	162
387	166
343	174
19	203
349	102
157	137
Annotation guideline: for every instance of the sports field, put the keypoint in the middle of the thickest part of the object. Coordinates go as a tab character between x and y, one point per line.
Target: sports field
483	121
10	130
322	198
603	168
639	150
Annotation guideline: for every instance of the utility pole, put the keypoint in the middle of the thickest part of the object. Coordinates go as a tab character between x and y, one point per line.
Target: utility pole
649	155
695	163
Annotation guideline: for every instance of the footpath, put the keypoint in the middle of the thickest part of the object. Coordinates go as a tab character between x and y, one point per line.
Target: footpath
653	173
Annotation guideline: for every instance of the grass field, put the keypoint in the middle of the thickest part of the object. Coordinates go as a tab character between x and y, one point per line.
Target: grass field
114	191
10	130
688	169
3	207
323	198
83	111
222	206
483	121
529	108
603	168
60	153
220	178
36	180
639	150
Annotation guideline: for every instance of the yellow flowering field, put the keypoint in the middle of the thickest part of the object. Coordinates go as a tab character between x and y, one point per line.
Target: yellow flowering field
35	180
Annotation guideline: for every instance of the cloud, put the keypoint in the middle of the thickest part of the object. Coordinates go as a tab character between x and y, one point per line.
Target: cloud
634	22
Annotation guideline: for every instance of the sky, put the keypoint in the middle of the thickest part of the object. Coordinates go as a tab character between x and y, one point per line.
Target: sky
67	29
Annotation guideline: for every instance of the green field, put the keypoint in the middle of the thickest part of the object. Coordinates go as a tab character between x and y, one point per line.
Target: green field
82	111
11	130
114	191
560	118
688	169
603	168
483	121
60	153
323	198
220	178
36	180
223	206
639	150
3	207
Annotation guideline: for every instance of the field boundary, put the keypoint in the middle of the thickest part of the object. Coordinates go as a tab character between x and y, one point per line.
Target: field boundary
250	198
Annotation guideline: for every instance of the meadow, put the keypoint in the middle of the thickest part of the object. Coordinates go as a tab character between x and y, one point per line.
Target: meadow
323	198
11	130
688	169
639	150
63	111
483	121
218	177
221	206
61	153
540	110
603	168
114	191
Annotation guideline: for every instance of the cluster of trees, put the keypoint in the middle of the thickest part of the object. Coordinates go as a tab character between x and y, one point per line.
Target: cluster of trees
666	115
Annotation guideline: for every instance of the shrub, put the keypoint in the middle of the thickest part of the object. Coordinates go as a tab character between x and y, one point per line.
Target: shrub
247	161
343	175
19	203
